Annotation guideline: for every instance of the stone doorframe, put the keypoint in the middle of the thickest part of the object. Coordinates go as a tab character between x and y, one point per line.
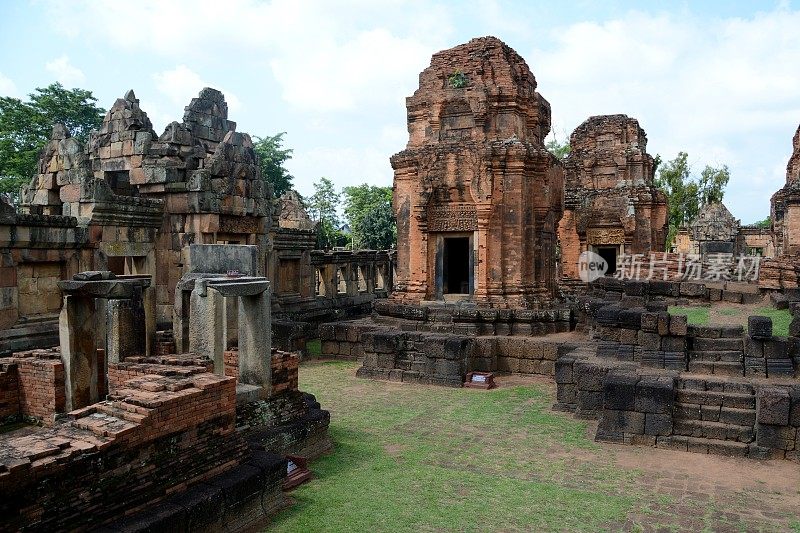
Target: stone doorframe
438	274
208	323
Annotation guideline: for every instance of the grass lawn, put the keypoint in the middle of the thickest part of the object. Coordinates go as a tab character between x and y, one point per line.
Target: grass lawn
735	315
424	458
412	458
697	316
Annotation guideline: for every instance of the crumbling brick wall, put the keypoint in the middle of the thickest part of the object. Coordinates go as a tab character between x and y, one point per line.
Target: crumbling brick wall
40	383
9	391
159	434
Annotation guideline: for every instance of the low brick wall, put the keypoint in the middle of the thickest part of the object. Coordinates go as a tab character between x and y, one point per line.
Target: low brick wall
35	379
641	331
284	369
156	435
635	293
135	367
9	391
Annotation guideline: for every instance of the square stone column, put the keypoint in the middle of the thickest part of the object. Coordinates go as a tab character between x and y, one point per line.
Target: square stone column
76	325
255	338
207	325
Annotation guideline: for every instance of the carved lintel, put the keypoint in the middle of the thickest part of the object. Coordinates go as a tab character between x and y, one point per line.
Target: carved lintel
452	218
599	236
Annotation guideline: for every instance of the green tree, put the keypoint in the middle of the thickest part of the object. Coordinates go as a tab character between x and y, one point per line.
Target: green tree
712	184
378	230
558	149
764	224
687	195
368	211
322	206
25	128
272	157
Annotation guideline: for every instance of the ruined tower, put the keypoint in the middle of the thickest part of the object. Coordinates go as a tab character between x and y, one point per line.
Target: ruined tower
611	205
476	195
785	206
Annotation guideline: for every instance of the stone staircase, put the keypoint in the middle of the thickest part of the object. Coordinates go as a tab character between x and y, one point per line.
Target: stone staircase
721	355
713	417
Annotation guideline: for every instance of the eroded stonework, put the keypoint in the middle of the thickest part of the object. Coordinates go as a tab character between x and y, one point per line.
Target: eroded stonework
785	206
715	229
477	197
132	202
611	205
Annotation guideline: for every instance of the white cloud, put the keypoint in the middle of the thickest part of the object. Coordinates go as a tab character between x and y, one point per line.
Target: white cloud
7	86
65	72
319	52
181	84
722	90
345	166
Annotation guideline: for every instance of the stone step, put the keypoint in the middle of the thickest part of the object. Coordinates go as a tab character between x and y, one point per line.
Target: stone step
716	355
104	425
707	429
730	343
122	414
717	368
715	413
725	399
716	384
701	445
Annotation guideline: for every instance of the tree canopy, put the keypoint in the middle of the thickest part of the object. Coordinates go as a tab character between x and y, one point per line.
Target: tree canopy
25	128
322	207
273	157
558	149
764	224
368	211
686	194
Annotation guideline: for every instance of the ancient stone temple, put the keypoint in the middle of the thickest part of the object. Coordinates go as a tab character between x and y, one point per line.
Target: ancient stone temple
785	206
715	230
476	195
611	205
132	202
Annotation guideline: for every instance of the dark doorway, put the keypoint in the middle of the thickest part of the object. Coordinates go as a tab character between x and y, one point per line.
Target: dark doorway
456	265
609	255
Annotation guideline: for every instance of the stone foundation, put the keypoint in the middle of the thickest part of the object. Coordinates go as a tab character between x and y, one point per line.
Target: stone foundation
650	379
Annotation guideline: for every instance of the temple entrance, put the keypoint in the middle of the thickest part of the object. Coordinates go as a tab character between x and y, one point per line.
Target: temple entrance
609	255
455	266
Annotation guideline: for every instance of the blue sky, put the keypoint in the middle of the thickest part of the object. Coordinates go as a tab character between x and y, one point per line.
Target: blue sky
719	80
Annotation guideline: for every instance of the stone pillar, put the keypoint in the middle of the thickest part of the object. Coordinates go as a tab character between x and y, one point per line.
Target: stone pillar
231	322
207	325
149	297
180	319
255	348
76	325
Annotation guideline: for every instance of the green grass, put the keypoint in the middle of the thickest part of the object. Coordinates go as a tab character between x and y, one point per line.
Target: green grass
314	348
780	320
706	315
697	316
413	458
